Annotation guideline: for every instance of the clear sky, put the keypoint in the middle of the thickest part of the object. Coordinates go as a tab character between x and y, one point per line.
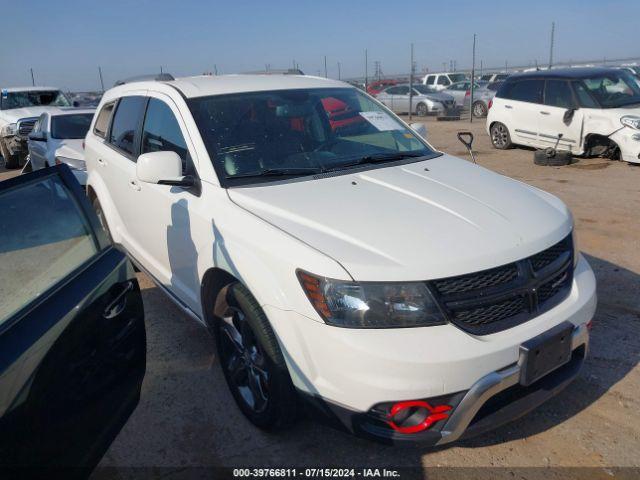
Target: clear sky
64	41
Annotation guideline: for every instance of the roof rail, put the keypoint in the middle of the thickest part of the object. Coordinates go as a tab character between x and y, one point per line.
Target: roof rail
161	77
285	71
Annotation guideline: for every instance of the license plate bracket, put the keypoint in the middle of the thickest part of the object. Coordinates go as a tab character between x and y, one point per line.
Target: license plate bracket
544	353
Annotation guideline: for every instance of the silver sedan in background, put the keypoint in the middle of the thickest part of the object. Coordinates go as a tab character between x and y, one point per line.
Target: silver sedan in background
425	101
482	94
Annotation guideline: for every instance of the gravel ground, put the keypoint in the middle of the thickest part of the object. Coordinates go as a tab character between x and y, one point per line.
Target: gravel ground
186	416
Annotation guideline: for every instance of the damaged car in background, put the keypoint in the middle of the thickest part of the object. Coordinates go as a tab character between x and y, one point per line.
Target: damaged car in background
19	110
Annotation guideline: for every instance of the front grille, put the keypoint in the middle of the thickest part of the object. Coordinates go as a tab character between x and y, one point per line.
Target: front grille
25	126
499	298
477	281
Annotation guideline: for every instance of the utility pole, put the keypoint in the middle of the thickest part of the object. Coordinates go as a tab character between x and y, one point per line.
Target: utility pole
553	32
480	68
411	86
161	70
33	80
506	67
473	78
366	70
339	73
215	69
101	81
325	66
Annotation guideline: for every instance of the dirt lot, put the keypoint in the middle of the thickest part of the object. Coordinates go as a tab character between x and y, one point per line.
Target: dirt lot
187	417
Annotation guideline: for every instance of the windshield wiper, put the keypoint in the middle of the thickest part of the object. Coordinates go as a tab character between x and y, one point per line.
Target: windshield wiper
278	172
379	158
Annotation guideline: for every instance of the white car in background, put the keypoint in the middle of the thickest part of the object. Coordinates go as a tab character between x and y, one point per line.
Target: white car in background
425	101
440	81
20	107
587	111
57	137
338	257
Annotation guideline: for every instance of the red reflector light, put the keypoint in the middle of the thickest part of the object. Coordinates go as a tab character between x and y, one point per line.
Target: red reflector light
467	93
490	104
416	415
589	324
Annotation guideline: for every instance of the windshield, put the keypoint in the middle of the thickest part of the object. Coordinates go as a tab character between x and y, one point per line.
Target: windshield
614	89
457	77
33	98
299	132
70	126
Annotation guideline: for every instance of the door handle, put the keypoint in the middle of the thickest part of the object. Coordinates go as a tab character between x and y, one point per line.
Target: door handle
508	106
544	113
116	306
134	185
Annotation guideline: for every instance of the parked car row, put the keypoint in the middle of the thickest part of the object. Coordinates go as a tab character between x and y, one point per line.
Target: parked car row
424	101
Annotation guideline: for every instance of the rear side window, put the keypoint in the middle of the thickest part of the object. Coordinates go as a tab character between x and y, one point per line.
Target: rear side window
161	132
402	91
126	121
442	80
557	93
70	126
524	91
44	237
431	80
102	122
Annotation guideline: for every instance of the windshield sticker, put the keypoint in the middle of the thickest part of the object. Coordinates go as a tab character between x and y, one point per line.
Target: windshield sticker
381	121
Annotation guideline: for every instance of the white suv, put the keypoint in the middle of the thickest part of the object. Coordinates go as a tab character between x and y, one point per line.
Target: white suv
440	81
338	257
588	111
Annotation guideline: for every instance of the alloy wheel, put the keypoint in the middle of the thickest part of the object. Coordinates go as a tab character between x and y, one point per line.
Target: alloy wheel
244	361
499	135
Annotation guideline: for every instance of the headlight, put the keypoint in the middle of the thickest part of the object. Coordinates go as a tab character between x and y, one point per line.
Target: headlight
73	163
631	121
371	304
10	129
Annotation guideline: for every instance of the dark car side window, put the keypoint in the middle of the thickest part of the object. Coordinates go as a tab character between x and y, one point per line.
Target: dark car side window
125	124
557	93
44	236
430	80
161	132
402	91
584	97
524	91
392	91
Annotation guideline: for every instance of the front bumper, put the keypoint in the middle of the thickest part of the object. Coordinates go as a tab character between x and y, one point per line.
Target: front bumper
628	140
349	371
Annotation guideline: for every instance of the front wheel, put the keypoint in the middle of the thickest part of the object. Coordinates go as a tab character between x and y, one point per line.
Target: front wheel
253	364
421	110
500	137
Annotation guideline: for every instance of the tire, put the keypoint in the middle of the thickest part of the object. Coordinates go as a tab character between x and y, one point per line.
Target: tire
253	365
103	220
552	158
10	161
500	137
422	110
479	109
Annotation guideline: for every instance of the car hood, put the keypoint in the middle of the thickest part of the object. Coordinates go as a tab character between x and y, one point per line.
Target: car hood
70	149
405	222
15	114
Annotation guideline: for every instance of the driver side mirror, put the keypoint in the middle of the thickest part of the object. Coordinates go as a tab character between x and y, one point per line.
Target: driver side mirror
568	115
420	129
163	168
38	137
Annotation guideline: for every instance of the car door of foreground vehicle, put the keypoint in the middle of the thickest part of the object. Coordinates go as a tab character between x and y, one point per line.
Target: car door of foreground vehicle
72	335
162	237
560	115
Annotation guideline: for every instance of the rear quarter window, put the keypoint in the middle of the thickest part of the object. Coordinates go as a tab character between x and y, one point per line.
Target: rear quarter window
102	122
529	90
